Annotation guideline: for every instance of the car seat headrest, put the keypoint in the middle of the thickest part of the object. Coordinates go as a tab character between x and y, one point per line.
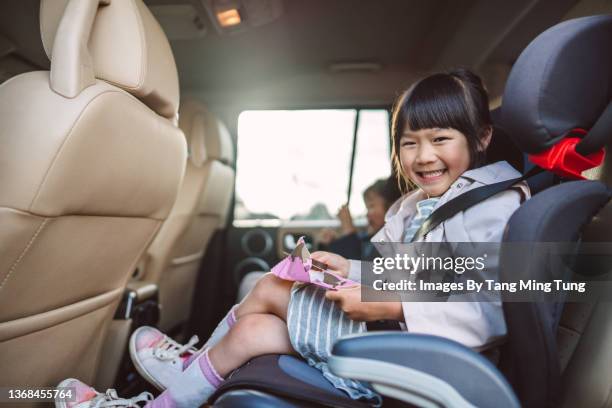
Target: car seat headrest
207	137
117	41
502	147
562	81
219	143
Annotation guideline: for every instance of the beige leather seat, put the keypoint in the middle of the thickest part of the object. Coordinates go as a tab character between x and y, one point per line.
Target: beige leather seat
90	166
173	259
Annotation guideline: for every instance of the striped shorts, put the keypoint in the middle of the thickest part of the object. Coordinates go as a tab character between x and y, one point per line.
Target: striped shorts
315	324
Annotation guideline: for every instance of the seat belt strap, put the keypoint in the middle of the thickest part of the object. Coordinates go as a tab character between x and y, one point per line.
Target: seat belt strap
467	200
447	210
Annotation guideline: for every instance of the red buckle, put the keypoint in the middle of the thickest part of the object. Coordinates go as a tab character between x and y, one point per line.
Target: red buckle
563	160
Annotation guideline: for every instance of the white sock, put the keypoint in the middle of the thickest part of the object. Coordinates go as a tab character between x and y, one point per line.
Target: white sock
198	382
222	328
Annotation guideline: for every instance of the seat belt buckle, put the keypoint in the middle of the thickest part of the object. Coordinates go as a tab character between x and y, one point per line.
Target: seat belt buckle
563	159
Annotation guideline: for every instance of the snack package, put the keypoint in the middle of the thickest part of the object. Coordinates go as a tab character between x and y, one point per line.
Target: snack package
300	267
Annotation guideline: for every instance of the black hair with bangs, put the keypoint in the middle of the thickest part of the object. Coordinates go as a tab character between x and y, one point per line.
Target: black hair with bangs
457	100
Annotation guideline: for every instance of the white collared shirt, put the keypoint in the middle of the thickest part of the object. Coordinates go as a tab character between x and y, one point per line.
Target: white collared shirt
473	324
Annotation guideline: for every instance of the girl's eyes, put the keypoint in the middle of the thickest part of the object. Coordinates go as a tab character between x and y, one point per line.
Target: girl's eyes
437	139
441	139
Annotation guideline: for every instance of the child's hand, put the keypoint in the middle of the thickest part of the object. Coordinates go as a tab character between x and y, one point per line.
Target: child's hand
336	263
349	300
346	220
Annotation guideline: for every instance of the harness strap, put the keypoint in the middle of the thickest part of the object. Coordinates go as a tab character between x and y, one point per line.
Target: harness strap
467	200
446	211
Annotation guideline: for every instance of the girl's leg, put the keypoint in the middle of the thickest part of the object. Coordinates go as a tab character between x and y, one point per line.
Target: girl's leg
269	295
253	335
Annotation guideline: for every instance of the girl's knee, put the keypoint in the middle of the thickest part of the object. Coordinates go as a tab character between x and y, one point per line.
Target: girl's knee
248	328
268	281
269	295
257	331
269	287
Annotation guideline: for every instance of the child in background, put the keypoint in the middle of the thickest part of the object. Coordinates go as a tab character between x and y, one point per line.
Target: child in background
441	128
354	244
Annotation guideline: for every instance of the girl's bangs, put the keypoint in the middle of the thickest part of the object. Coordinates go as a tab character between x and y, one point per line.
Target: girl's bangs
441	104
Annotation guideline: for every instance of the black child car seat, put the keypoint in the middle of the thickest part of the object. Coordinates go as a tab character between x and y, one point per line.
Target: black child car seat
561	82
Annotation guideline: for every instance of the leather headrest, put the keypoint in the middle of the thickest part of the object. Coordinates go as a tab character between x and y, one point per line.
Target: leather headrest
219	143
119	42
561	81
207	137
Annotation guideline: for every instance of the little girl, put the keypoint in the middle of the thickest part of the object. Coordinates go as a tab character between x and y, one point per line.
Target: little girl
441	128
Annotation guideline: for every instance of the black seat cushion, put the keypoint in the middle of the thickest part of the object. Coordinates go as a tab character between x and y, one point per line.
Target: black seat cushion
285	376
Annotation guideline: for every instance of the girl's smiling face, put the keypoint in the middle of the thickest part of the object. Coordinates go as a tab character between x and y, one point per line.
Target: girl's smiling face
434	158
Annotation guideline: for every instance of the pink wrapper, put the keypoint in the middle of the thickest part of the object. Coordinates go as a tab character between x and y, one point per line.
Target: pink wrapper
297	267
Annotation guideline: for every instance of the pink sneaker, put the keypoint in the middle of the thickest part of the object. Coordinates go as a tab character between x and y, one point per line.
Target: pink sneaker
157	357
87	397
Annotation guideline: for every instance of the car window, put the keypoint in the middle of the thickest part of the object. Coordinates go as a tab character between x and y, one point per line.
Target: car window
372	157
295	164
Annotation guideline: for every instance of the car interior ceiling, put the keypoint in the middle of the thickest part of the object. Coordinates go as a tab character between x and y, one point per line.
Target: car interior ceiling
402	40
315	54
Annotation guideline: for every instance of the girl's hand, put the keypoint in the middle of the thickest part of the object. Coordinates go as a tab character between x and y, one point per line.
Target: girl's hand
349	300
336	263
